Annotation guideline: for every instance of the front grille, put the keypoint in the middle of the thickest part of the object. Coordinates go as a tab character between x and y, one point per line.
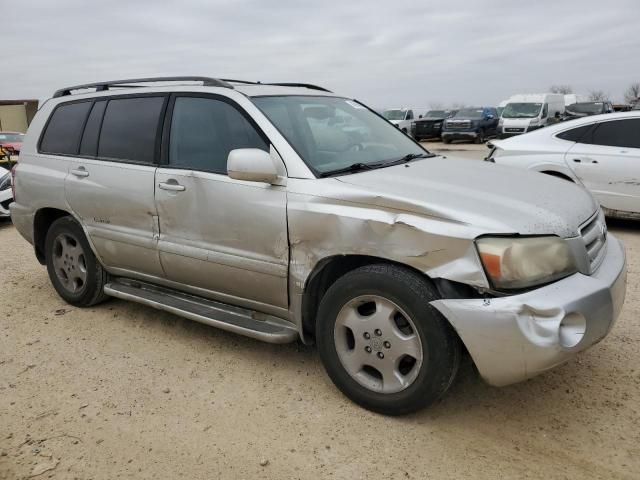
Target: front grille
458	125
594	237
427	127
514	130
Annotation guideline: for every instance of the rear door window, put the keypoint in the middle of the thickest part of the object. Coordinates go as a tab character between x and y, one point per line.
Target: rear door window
618	133
205	130
64	129
130	128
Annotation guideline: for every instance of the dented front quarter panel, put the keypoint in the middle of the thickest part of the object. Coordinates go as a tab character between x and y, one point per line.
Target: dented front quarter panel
328	218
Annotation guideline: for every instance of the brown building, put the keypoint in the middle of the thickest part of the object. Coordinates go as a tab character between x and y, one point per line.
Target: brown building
16	115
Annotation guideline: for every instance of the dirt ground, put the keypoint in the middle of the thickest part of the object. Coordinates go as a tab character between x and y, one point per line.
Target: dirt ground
125	391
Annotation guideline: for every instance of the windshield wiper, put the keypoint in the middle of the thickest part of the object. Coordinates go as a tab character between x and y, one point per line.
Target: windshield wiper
354	167
407	158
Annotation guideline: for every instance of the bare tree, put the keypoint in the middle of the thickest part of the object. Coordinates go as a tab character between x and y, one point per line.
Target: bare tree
458	105
598	96
563	89
633	93
436	106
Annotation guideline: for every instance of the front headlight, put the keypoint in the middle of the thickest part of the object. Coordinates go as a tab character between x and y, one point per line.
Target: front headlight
500	122
522	262
438	124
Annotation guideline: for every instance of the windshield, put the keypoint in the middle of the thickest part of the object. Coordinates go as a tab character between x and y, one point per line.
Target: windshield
436	114
521	110
469	113
11	137
394	114
331	133
587	107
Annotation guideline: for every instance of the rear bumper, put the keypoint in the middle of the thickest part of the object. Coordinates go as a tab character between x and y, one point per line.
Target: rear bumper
514	338
22	218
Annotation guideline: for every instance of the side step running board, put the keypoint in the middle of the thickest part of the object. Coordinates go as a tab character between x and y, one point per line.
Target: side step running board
226	317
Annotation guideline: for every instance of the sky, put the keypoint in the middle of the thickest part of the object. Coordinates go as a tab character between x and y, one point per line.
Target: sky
416	54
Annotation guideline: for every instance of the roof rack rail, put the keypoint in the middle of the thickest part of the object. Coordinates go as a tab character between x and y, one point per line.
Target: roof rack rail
278	84
103	86
302	85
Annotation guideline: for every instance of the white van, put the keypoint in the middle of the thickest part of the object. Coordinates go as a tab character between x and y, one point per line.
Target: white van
400	117
524	113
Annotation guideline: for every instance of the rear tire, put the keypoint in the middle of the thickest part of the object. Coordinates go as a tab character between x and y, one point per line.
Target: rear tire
73	269
382	344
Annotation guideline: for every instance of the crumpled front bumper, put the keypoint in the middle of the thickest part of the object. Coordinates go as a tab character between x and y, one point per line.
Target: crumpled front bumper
514	338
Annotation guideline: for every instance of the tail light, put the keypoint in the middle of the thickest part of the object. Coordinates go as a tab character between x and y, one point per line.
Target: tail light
13	181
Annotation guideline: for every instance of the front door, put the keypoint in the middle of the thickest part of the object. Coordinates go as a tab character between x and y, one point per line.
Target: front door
607	162
225	236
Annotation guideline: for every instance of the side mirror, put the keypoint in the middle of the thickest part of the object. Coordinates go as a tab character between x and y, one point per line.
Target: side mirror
419	116
251	165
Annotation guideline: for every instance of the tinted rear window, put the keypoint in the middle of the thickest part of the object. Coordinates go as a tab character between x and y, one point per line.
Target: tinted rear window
63	131
129	129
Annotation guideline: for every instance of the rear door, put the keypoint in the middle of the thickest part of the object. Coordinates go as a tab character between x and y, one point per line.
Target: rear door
110	183
226	237
607	162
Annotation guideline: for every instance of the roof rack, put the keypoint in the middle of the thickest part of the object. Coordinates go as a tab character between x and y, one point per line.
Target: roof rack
103	86
206	82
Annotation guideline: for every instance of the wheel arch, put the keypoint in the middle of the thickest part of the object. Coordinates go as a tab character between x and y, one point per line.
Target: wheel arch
330	269
555	173
42	221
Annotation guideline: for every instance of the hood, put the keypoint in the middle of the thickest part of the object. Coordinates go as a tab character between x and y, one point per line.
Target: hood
396	122
430	119
494	198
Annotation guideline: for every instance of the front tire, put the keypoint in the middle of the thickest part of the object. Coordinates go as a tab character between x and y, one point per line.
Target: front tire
73	269
382	344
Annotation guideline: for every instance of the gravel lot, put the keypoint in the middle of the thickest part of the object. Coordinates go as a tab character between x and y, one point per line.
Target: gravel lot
125	391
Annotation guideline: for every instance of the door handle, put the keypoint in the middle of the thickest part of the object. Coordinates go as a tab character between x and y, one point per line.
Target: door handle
171	187
80	172
577	160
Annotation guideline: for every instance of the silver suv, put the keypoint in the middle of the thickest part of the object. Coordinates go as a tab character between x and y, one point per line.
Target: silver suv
285	211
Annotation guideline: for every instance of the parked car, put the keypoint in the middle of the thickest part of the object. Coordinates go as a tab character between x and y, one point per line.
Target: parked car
11	142
584	109
600	152
525	113
247	207
475	123
430	125
400	117
6	195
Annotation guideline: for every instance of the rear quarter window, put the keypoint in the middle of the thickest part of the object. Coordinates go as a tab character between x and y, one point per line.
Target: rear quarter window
575	134
64	129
